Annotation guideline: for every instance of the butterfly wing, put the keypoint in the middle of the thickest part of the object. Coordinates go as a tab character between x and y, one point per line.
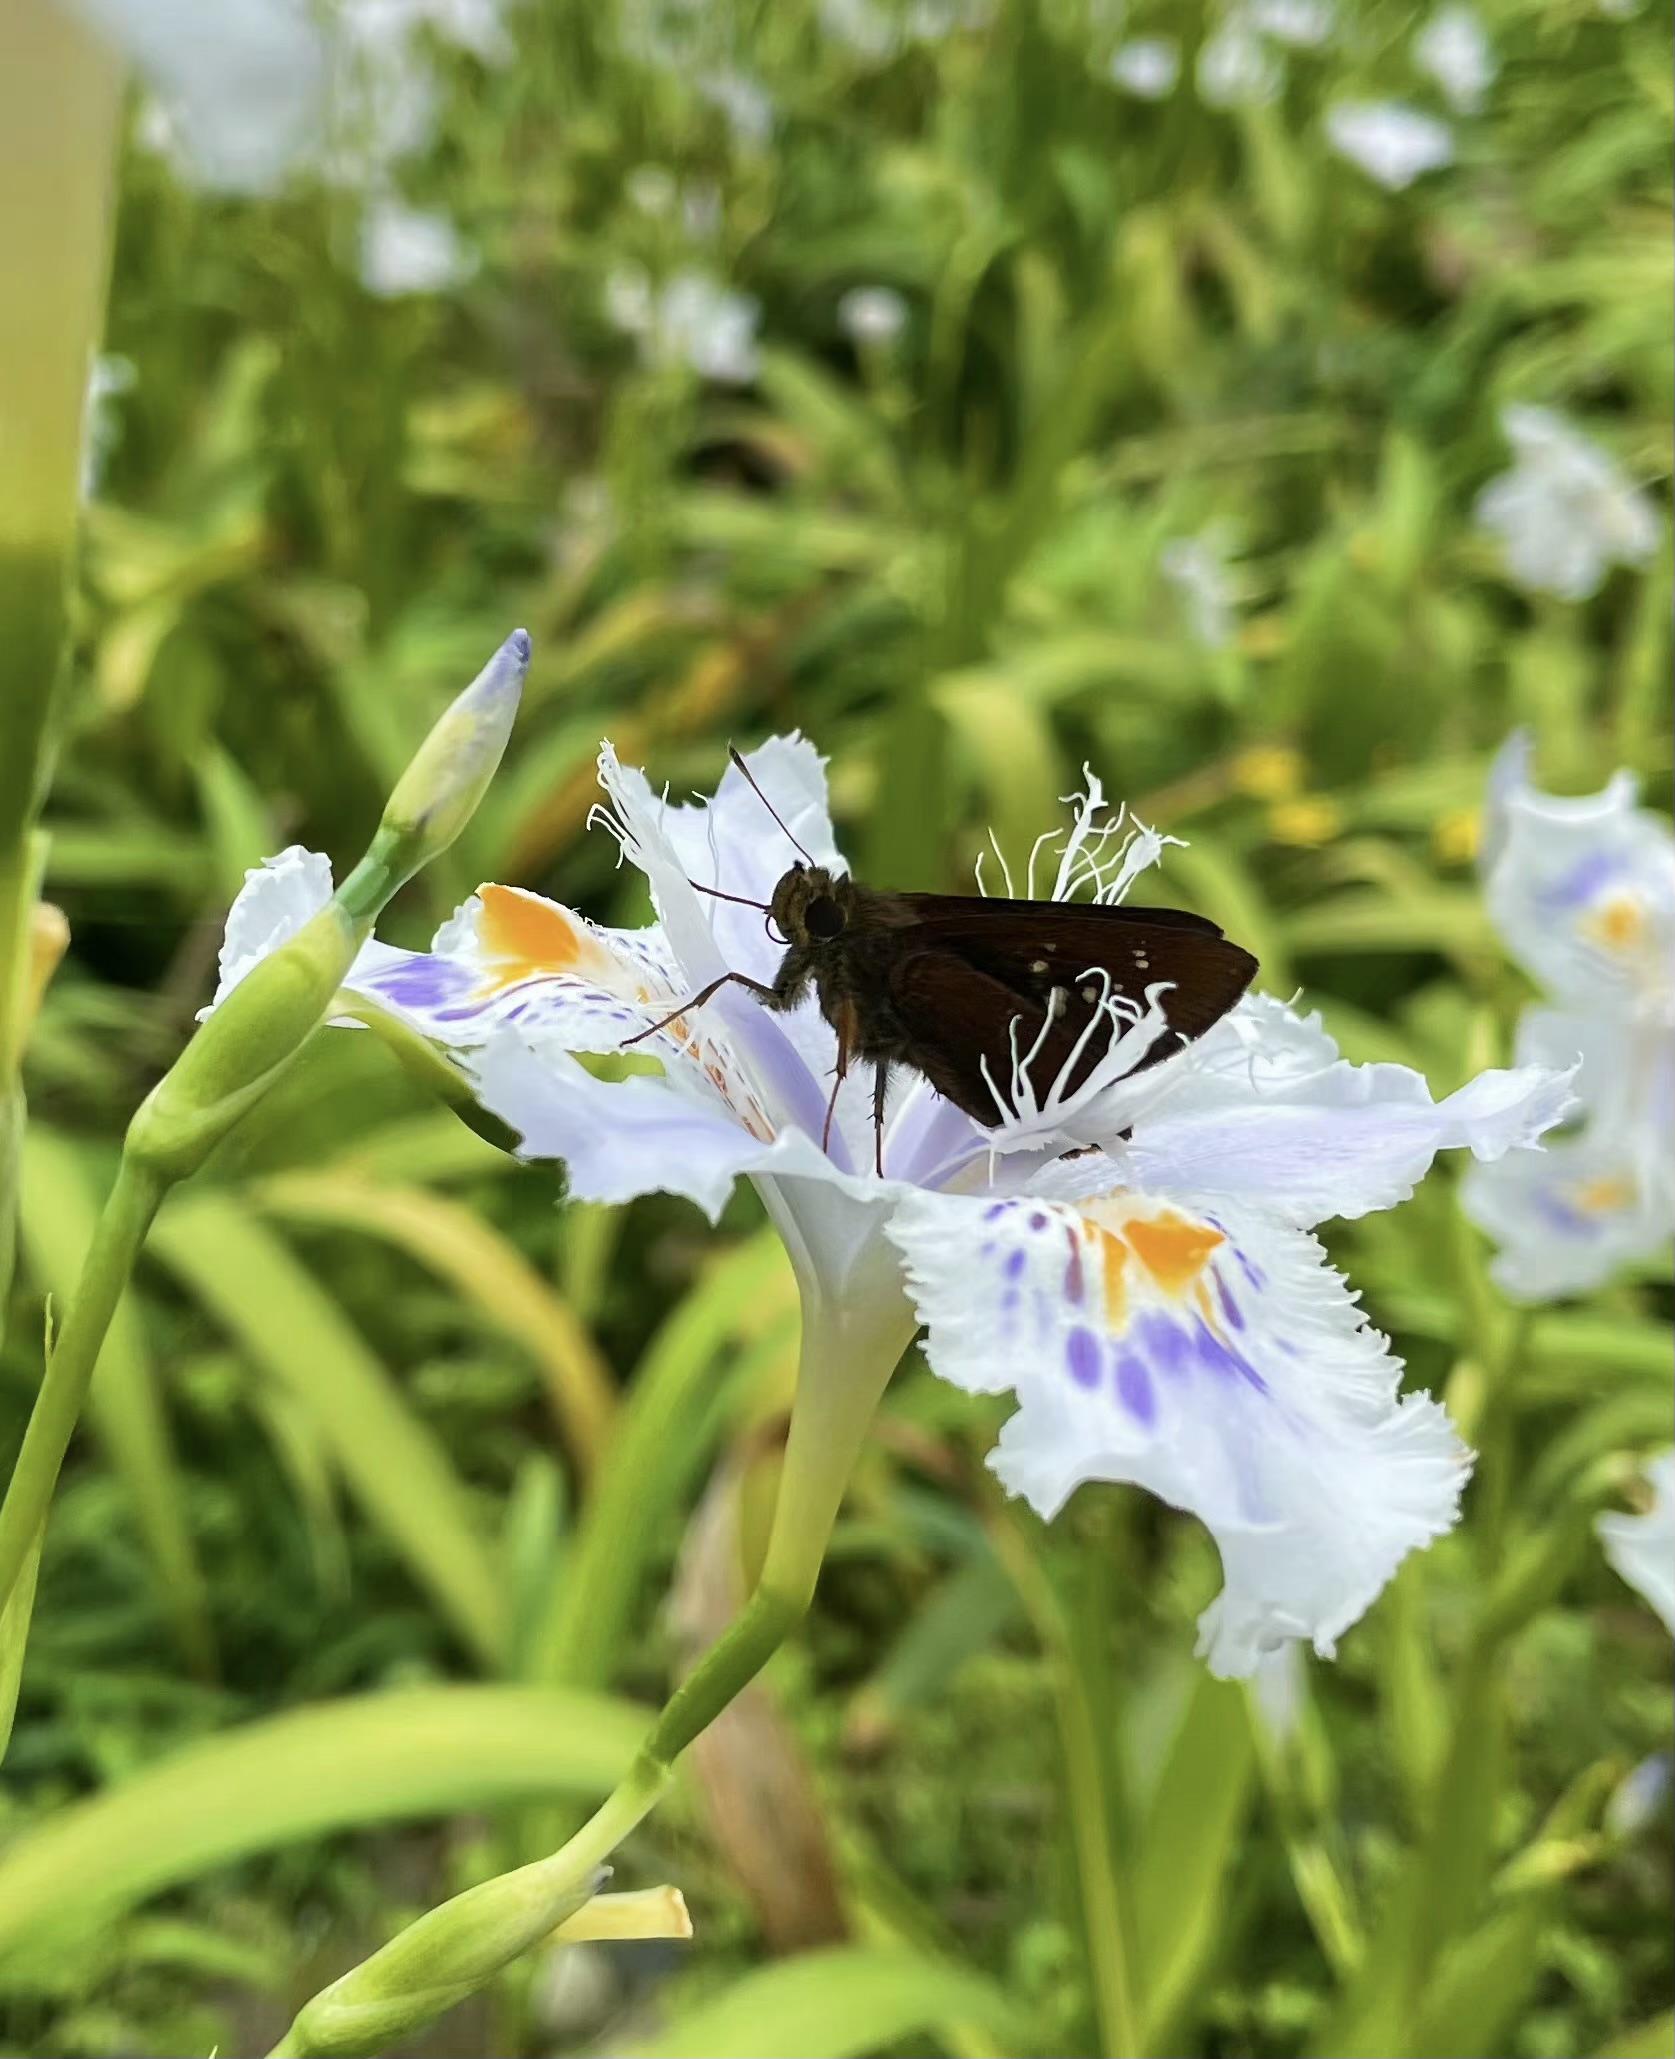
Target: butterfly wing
967	970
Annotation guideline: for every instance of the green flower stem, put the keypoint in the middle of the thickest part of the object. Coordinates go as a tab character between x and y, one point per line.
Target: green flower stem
134	1200
847	1359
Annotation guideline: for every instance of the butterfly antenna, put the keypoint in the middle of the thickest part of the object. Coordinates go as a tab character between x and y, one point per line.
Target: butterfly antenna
739	900
733	753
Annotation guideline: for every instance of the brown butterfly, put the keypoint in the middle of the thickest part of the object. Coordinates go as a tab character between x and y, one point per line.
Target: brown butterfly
943	982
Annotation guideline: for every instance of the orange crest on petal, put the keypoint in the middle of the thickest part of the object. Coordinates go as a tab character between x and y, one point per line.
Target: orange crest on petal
526	935
1172	1248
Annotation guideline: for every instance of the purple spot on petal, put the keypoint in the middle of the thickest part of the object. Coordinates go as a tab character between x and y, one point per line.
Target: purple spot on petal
1229	1307
422	982
1009	1305
994	1211
1251	1271
1134	1387
1075	1286
1015	1262
1560	1216
1581	884
1081	1353
1165	1343
1037	1220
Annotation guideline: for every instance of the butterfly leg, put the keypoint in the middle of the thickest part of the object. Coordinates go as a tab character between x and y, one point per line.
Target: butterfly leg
845	1035
742	979
880	1081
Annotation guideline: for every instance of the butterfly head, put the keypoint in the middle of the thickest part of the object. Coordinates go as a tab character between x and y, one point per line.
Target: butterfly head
811	905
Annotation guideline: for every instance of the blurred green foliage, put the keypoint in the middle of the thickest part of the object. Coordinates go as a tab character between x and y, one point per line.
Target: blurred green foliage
382	1432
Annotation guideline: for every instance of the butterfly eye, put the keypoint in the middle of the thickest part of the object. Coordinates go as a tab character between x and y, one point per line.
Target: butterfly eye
823	918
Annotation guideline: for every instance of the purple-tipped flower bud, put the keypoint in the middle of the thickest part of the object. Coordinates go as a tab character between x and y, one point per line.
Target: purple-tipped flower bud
438	793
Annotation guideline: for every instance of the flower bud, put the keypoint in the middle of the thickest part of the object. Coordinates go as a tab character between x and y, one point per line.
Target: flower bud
438	793
234	1056
438	1961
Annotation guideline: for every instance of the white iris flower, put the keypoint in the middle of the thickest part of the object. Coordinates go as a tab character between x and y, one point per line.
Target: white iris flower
1454	50
691	319
1390	142
410	250
1564	514
1196	566
1642	1548
1155	1303
1583	891
242	84
1147	66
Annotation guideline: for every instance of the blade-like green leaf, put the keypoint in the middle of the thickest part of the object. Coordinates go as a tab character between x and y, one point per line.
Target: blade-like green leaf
836	2005
656	1448
1187	1846
415	1752
399	1472
463	1249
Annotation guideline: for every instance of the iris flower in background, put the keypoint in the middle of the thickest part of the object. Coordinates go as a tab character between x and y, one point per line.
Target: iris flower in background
1583	891
1196	567
1155	1303
689	319
872	317
1147	66
1565	513
1236	67
1642	1548
410	250
1453	49
241	86
1389	141
248	92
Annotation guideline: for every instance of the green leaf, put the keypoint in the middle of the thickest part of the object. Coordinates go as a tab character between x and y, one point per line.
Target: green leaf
415	1752
294	1330
657	1448
1654	2040
1191	1833
836	2005
484	1268
1450	920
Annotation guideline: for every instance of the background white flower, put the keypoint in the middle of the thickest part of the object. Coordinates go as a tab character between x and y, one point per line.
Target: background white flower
1642	1548
874	315
746	103
1453	48
1583	891
689	319
410	250
110	378
242	83
1304	24
1392	143
1196	566
1236	68
1565	513
1147	66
